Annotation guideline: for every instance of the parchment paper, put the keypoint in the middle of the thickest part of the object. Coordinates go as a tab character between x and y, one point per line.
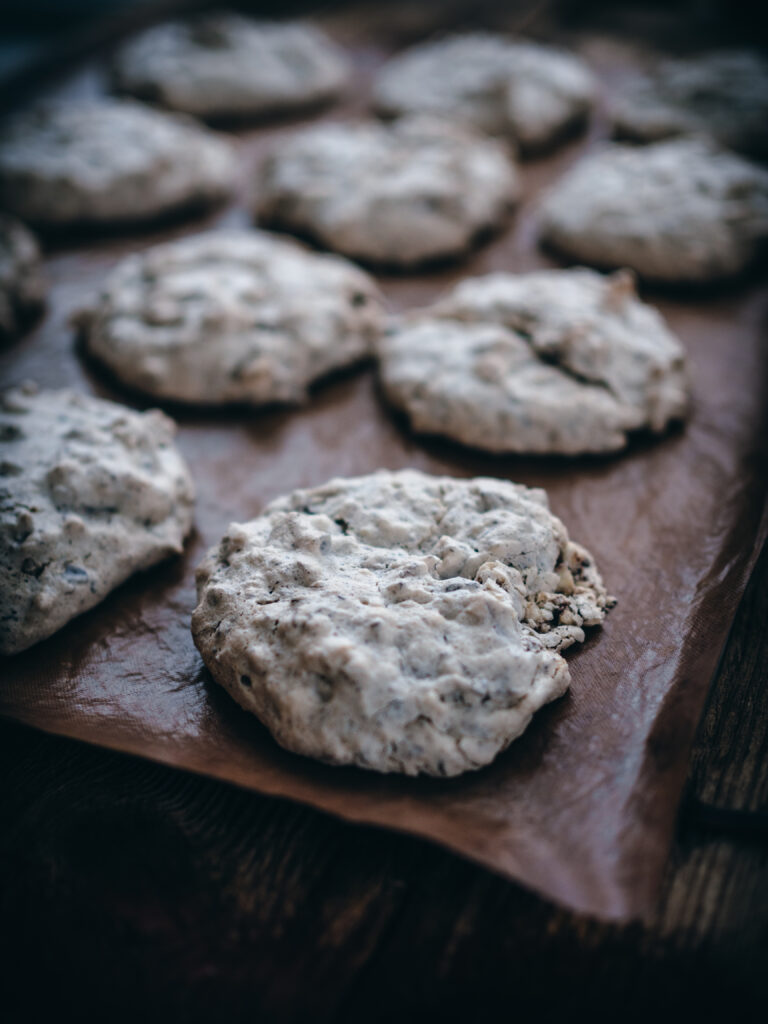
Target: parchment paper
582	807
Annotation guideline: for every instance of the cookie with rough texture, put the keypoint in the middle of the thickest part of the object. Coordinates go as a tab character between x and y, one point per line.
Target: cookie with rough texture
551	362
226	65
90	493
400	194
679	211
101	161
723	94
399	621
22	291
530	93
231	316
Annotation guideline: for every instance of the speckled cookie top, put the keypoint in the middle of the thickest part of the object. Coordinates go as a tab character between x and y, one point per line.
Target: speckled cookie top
680	210
231	316
220	64
551	362
398	621
90	492
405	193
97	160
723	94
503	86
22	289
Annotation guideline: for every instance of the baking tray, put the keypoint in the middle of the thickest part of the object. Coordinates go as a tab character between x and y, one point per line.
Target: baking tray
582	807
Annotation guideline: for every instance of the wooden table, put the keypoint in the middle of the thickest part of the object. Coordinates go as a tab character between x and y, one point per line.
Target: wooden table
139	891
135	891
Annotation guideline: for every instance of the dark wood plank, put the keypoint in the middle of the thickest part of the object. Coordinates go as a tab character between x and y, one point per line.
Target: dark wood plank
729	767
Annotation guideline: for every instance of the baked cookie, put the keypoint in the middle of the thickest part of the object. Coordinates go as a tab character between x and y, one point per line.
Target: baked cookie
533	94
679	211
231	316
101	161
90	493
227	65
399	621
723	94
22	291
400	194
551	362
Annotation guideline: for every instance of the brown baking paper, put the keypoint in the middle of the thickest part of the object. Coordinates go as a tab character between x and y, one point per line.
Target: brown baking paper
582	807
